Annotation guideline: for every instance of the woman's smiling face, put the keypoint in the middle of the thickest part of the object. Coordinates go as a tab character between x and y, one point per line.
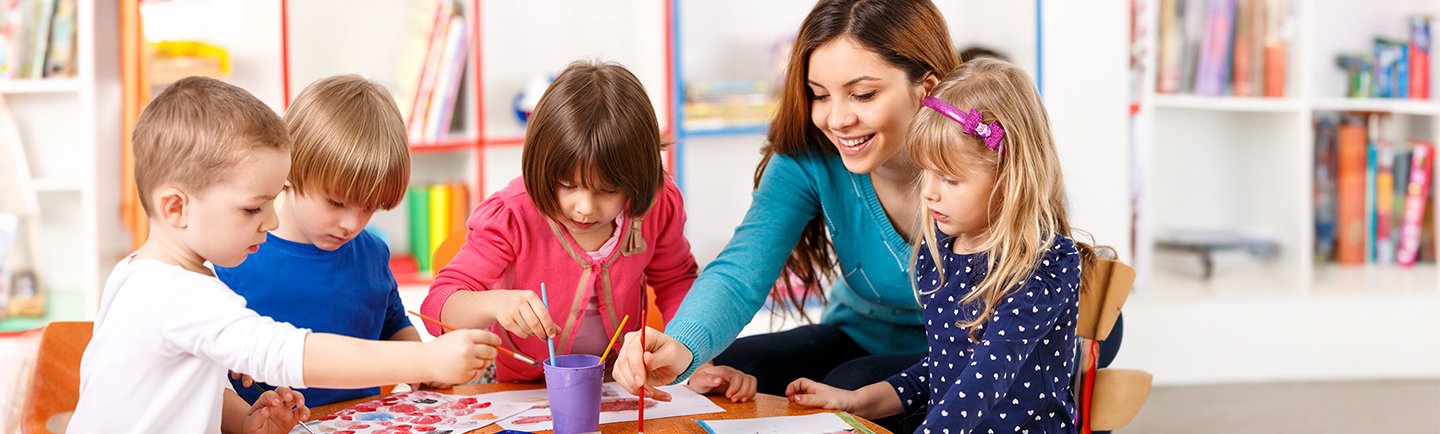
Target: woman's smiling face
862	103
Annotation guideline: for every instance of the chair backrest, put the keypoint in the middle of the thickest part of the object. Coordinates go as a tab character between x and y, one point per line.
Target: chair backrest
1104	287
1117	394
55	385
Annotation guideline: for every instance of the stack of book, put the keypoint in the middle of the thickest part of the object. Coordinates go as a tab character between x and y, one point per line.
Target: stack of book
1396	69
436	212
1223	47
430	70
37	38
1372	194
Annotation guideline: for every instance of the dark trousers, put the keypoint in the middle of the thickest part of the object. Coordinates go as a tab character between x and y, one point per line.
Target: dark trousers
820	352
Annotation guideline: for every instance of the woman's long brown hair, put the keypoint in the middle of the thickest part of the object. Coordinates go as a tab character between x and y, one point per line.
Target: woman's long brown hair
908	34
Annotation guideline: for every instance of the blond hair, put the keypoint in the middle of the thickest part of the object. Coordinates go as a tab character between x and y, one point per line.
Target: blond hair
195	132
595	119
350	143
1028	195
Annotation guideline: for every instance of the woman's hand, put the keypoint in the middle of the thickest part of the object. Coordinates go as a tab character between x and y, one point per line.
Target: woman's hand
658	362
523	313
738	386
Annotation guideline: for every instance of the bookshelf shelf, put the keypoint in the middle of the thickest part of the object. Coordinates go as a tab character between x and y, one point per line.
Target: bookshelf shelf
1397	106
1232	104
49	85
726	130
1249	164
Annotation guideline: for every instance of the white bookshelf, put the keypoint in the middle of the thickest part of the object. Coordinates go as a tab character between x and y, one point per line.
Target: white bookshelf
69	128
1248	164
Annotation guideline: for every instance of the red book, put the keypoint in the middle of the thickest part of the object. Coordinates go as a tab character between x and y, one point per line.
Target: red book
1350	193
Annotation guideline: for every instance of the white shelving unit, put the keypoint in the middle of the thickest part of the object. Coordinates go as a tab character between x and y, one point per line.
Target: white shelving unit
1248	164
70	132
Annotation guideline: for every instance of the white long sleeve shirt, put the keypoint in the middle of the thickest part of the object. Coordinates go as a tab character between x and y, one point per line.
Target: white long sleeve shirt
164	339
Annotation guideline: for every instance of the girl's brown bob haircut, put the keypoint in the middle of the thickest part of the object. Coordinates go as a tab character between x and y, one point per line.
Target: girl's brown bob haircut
594	126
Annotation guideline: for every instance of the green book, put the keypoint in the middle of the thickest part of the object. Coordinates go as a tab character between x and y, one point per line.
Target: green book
420	226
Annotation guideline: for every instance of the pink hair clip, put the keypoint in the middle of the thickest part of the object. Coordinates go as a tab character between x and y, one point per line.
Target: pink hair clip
972	121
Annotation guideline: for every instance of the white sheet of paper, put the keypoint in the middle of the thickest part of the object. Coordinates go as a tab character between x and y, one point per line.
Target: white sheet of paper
436	411
818	423
685	403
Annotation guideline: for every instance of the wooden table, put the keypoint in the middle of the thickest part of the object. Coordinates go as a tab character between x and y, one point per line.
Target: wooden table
762	406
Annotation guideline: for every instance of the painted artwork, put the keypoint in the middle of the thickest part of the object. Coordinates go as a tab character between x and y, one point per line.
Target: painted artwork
616	405
416	412
818	423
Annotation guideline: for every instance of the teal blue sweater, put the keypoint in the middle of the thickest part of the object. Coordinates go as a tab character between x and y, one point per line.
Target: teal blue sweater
872	302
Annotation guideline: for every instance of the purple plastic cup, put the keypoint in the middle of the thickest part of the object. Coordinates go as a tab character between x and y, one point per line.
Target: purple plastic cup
573	383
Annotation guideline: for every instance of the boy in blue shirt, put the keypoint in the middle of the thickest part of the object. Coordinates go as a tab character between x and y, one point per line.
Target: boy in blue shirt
320	269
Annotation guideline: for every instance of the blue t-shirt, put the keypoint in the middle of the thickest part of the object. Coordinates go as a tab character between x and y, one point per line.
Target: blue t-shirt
348	291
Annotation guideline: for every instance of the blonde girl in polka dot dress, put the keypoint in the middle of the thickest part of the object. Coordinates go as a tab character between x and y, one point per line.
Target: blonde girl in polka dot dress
998	276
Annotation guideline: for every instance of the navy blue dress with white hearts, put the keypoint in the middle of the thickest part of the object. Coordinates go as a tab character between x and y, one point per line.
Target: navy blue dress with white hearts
1017	378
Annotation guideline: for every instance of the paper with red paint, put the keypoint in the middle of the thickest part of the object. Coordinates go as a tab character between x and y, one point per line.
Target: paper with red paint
417	412
616	405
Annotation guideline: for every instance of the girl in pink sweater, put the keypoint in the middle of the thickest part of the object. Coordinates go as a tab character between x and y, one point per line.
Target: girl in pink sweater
594	217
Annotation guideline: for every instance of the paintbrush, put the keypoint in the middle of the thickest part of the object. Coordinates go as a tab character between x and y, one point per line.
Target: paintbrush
520	357
551	342
641	424
612	339
262	390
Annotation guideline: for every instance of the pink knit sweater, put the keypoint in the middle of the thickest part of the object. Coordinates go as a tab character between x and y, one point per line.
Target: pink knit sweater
512	246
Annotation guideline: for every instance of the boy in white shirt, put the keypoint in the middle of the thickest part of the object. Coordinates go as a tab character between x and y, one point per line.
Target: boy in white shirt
209	160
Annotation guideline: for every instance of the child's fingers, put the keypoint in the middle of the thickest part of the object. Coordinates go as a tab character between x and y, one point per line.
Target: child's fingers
543	325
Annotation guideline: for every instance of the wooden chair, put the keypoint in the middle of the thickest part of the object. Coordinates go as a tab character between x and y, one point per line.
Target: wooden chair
55	384
1115	395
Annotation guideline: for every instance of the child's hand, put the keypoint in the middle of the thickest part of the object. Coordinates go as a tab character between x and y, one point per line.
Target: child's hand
276	412
810	393
431	385
245	380
666	357
460	356
738	386
523	313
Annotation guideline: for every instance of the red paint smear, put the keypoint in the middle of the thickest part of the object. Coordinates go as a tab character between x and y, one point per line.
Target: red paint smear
427	420
532	420
468	401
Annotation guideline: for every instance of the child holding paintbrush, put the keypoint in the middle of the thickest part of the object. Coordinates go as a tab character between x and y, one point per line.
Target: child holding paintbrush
594	215
209	161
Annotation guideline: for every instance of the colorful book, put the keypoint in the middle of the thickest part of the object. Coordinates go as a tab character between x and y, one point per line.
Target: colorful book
1401	167
459	207
1419	57
419	198
1350	192
1370	157
1421	158
439	216
1325	190
60	61
424	95
449	71
1275	57
1192	38
1171	41
1384	203
414	50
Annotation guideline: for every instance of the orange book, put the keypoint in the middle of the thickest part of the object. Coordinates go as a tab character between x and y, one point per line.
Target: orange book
459	207
1273	85
1350	193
